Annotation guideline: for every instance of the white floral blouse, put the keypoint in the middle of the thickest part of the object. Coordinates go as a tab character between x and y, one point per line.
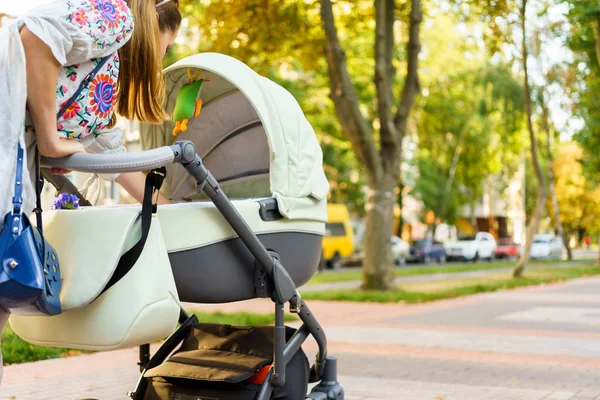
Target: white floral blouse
80	33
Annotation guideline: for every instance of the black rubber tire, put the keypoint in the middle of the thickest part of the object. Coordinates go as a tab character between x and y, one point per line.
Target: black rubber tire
335	263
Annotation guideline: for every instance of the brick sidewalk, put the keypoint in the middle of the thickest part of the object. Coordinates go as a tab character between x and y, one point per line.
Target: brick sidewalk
538	343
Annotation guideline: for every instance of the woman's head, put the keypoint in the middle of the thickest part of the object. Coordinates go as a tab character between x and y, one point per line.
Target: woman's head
141	88
169	20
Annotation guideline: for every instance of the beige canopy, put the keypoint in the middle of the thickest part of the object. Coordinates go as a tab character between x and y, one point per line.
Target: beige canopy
251	134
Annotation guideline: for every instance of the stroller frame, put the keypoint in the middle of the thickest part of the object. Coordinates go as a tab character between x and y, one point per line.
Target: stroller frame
273	281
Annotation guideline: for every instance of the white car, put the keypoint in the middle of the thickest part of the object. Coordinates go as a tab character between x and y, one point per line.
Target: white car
546	246
400	250
472	248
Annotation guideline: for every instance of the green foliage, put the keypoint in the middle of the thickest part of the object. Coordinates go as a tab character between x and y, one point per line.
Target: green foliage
496	16
473	118
579	204
583	77
430	186
265	34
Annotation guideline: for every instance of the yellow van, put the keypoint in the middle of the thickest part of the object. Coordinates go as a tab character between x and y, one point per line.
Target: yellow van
338	242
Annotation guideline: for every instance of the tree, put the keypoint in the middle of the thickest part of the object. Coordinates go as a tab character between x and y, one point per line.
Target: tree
469	128
584	83
577	197
542	188
277	39
584	40
551	182
378	150
264	34
550	75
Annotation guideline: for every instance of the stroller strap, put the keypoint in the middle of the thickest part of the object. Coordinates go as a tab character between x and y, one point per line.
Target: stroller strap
154	181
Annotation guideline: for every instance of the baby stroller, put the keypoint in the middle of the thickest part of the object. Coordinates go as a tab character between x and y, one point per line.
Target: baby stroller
253	138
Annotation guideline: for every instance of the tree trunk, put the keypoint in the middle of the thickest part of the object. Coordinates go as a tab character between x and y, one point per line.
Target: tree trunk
580	233
543	190
596	28
381	163
452	173
400	202
378	266
473	215
559	227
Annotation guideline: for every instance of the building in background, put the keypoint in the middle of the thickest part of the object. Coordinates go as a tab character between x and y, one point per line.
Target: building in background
500	211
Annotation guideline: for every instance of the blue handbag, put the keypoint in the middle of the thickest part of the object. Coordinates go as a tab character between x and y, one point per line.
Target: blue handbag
30	279
30	275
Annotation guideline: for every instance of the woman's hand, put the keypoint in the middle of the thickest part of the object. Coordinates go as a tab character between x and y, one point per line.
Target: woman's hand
54	147
62	148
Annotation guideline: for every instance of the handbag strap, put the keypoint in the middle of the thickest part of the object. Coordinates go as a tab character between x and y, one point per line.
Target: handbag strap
18	196
84	84
38	192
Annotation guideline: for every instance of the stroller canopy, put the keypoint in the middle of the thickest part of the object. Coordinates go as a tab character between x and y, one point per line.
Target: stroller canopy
251	134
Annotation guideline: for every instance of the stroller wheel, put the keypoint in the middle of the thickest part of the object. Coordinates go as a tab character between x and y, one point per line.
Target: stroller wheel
328	388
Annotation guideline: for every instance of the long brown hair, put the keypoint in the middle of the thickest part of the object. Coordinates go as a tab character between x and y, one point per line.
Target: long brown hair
141	87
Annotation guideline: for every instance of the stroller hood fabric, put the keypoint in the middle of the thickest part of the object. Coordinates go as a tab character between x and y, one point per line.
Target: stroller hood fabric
297	179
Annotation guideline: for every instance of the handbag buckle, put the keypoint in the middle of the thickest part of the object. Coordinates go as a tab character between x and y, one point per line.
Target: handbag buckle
17	202
13	264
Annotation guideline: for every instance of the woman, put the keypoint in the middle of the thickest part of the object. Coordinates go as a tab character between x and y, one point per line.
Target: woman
62	42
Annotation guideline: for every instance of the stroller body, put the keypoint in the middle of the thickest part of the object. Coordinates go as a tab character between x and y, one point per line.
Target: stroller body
253	137
252	142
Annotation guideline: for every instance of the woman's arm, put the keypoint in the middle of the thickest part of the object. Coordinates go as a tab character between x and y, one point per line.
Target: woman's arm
42	77
134	183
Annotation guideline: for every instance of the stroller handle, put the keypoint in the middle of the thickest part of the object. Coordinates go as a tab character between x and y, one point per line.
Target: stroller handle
117	163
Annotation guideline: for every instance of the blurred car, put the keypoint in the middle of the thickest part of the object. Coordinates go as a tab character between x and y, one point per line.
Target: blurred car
473	248
400	250
400	253
546	246
507	248
427	250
